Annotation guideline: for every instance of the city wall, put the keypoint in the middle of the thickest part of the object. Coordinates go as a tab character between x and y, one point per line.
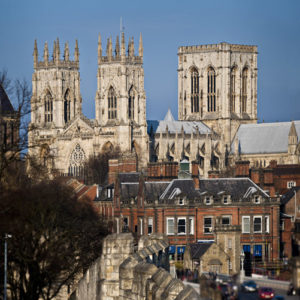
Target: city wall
123	272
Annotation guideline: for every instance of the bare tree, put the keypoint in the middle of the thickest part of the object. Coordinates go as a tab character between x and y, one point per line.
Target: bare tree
55	237
13	151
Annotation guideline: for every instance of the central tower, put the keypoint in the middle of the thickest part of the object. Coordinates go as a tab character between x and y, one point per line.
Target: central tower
217	84
120	98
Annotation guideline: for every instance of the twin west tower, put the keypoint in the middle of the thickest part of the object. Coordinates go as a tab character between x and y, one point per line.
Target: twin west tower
66	138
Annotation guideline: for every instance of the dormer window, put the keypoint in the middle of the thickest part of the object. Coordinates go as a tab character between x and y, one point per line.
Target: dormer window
110	193
207	200
291	184
226	199
181	201
256	199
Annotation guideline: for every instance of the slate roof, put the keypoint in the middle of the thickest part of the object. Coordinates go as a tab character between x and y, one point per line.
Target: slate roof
197	250
264	137
5	104
129	190
237	188
129	177
174	126
289	195
180	186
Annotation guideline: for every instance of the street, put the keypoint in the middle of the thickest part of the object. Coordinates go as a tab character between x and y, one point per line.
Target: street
249	296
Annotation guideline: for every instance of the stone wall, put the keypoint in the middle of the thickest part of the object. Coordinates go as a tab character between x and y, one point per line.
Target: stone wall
122	273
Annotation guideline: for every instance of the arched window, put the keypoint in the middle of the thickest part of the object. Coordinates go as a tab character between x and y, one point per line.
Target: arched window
232	89
48	108
112	104
131	104
211	90
76	164
244	89
67	106
194	91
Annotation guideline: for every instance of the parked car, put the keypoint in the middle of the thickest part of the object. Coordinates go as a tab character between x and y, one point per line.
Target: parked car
249	286
266	293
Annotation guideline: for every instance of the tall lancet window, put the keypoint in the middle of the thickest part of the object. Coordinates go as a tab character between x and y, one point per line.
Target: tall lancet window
112	104
131	104
67	106
244	89
211	90
48	108
194	91
232	89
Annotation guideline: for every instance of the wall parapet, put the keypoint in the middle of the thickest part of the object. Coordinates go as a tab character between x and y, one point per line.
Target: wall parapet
121	273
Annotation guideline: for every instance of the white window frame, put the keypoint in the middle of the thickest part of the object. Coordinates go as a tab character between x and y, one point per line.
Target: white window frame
209	202
179	219
181	201
141	226
167	224
150	224
267	224
257	199
211	227
291	184
257	217
227	199
229	243
191	225
243	224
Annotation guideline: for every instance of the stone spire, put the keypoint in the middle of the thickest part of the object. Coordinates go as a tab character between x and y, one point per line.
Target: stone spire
76	55
131	47
54	51
35	54
117	50
57	50
99	49
123	54
141	49
109	49
293	137
46	53
66	52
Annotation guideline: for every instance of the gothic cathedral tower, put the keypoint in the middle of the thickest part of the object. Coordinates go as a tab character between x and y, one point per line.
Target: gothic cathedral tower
120	98
217	84
56	98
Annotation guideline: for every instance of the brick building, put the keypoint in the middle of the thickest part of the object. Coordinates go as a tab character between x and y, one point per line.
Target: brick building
186	209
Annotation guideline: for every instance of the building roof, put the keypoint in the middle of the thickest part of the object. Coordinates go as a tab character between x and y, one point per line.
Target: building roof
129	177
178	187
174	126
197	250
289	195
264	137
5	104
237	188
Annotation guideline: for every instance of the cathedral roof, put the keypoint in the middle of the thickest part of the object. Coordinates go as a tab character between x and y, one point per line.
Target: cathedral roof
5	104
174	126
264	137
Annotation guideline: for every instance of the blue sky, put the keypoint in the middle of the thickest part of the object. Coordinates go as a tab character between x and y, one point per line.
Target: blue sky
272	25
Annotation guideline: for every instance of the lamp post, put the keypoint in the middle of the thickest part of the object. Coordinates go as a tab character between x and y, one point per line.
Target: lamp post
6	236
242	271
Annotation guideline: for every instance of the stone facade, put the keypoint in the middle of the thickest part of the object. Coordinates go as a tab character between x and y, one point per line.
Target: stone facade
64	136
122	273
217	84
217	110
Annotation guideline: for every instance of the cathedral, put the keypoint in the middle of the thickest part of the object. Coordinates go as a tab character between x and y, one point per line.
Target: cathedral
217	110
